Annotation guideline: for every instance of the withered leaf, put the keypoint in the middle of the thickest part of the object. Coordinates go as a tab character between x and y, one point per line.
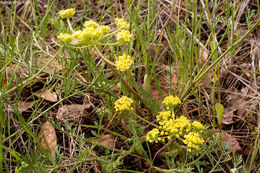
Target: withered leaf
108	141
71	112
228	116
204	56
54	65
24	106
47	137
46	94
233	143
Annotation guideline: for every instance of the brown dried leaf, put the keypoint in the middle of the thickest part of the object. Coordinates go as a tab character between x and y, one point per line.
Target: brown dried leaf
71	112
24	106
204	56
54	65
228	116
47	95
233	143
108	141
47	137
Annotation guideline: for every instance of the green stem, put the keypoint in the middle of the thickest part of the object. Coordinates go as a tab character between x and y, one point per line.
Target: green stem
136	95
104	58
71	29
109	44
144	120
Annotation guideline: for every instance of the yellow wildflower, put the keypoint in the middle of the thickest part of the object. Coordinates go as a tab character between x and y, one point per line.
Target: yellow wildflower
171	101
91	24
124	62
197	125
64	14
124	36
66	38
102	29
153	135
121	23
164	116
193	140
124	103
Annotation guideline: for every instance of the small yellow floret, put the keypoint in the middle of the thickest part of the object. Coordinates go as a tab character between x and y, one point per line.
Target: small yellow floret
67	13
124	36
121	23
103	29
152	136
165	116
91	24
124	62
193	140
122	104
197	125
66	38
171	101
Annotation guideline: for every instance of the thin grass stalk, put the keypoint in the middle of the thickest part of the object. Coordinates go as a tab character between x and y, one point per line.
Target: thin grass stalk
211	66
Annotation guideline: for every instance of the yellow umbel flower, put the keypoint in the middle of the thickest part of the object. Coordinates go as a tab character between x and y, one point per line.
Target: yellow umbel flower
64	14
123	104
124	62
171	101
121	23
193	140
91	24
124	36
164	116
197	125
103	29
66	38
153	135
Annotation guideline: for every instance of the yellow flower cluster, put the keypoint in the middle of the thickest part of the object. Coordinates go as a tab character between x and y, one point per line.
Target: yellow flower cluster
193	140
91	32
175	127
123	104
171	101
121	23
66	38
153	135
181	127
198	126
124	62
91	24
124	36
64	14
164	116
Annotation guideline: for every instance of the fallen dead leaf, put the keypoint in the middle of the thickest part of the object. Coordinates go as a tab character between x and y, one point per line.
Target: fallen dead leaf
204	56
108	141
47	95
71	112
232	141
47	137
228	116
54	65
24	106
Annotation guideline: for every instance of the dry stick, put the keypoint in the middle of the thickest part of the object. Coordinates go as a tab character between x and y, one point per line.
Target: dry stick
200	76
